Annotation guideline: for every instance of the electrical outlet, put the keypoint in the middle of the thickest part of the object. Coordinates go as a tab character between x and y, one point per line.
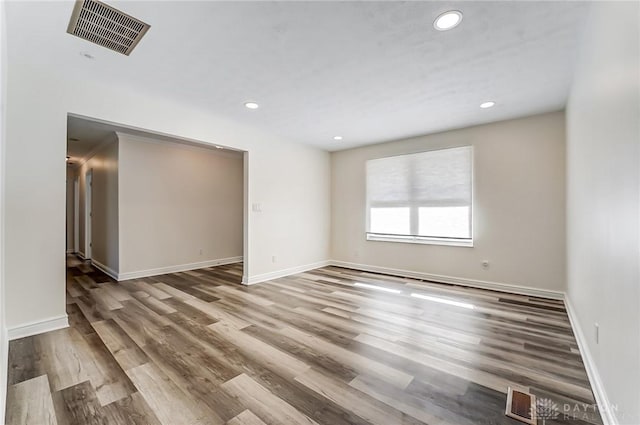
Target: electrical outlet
597	332
200	251
273	259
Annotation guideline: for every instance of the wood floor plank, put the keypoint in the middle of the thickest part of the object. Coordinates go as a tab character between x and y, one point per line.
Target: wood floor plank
107	377
267	406
418	408
72	358
273	358
125	351
105	299
32	401
131	410
153	303
348	397
193	313
81	405
144	286
116	291
227	290
310	357
218	314
78	320
170	404
358	362
64	365
142	324
246	418
25	360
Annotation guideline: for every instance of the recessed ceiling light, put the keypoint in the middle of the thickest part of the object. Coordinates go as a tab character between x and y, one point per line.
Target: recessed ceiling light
448	20
87	55
486	105
219	147
337	137
252	105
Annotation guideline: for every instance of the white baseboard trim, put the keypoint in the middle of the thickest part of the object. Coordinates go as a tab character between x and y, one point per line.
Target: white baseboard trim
69	251
105	269
4	361
39	327
481	284
81	255
178	268
252	280
606	412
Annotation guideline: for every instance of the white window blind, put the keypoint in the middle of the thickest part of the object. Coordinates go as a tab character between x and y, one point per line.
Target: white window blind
421	196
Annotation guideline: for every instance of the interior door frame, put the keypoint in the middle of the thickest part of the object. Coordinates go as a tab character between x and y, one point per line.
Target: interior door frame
76	214
88	213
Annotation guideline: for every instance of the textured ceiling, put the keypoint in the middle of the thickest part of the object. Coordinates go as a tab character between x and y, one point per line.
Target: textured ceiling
368	71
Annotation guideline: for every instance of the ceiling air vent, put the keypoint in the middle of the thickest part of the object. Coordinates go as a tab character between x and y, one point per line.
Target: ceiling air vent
108	27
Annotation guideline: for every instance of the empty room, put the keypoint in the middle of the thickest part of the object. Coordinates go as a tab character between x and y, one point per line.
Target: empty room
319	212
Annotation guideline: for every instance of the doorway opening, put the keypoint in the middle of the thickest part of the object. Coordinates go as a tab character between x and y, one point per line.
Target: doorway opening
146	203
76	218
88	215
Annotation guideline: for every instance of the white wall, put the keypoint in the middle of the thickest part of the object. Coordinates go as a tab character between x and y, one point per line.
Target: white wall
291	184
603	204
519	206
4	344
291	181
179	205
104	223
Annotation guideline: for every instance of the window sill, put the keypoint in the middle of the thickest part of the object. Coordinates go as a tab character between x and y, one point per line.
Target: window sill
468	243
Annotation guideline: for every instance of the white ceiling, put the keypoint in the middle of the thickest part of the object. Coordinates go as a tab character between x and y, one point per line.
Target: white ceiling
85	135
368	71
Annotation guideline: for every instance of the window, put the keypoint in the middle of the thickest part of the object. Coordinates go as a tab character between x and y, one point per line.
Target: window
421	198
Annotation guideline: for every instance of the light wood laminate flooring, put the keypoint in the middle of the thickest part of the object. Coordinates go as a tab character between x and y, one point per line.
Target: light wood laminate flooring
331	346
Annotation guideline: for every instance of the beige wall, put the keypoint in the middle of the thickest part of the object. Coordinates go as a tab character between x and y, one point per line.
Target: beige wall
519	206
603	204
104	229
179	204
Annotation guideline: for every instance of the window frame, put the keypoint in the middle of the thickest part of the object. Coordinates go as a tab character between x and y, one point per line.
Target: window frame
414	207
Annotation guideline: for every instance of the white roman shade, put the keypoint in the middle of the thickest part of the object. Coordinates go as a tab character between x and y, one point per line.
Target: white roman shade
422	195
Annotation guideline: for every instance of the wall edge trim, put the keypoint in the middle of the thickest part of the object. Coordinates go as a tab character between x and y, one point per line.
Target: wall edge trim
35	328
473	283
4	359
178	268
602	400
105	269
252	280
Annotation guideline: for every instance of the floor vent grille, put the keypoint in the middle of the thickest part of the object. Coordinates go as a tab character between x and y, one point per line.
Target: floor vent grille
521	406
106	26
